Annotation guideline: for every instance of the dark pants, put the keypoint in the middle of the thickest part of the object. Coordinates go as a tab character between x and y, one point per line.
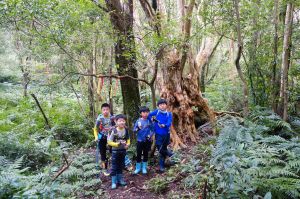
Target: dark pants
162	143
142	149
118	162
102	147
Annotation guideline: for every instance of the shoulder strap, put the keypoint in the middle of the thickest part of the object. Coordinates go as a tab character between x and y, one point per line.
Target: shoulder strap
157	112
126	134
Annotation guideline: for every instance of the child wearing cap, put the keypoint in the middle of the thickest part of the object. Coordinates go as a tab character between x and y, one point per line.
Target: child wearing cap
162	123
120	141
143	128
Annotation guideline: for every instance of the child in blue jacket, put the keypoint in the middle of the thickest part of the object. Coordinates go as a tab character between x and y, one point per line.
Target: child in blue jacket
162	124
143	128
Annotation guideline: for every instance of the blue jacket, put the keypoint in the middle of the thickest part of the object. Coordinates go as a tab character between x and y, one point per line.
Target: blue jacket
163	118
146	130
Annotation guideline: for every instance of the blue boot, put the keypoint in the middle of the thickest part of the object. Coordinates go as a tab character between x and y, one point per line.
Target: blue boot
144	167
137	168
113	182
161	165
120	180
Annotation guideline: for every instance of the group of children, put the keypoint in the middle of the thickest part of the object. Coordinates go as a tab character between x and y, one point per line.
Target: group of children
112	131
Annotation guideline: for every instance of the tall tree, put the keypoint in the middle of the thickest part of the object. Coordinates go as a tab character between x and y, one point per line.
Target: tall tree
286	55
237	60
274	80
121	16
181	91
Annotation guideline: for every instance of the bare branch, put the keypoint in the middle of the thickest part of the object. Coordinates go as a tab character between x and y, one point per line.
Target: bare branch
98	76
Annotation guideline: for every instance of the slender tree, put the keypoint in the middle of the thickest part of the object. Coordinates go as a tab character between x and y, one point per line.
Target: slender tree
237	60
286	54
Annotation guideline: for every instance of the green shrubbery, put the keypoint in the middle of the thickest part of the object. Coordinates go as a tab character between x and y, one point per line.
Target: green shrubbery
80	180
253	158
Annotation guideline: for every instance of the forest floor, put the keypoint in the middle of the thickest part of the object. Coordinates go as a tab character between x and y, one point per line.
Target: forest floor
138	187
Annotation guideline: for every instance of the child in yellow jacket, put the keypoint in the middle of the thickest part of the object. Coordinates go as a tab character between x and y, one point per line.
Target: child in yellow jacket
120	141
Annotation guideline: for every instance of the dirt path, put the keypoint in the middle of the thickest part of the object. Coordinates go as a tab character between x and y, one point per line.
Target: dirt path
136	186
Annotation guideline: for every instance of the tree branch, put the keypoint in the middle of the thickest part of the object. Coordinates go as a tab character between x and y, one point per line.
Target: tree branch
38	104
187	33
98	76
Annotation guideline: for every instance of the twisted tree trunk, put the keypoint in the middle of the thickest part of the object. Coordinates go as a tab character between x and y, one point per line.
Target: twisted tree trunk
181	92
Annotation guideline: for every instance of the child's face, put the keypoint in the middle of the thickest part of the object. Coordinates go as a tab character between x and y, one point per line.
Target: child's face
162	106
144	114
105	111
121	123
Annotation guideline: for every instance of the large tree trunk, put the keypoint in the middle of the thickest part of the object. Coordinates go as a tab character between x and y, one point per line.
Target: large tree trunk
182	93
285	61
122	20
185	100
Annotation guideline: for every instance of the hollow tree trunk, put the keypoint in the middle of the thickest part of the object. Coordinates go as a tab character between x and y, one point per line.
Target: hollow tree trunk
184	100
182	93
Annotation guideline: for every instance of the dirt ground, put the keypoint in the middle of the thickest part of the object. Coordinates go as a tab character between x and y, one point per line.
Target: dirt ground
136	186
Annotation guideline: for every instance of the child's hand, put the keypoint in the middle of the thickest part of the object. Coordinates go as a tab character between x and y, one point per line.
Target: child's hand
161	125
139	125
126	146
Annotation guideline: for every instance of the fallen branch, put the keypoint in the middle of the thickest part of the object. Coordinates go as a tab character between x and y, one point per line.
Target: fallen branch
227	112
65	167
38	104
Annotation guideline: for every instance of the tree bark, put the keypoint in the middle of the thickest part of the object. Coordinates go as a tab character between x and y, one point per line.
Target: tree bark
91	100
182	93
285	61
237	60
203	59
275	86
121	15
43	113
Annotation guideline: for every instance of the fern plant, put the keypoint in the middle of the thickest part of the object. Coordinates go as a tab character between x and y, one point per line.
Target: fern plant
80	179
247	163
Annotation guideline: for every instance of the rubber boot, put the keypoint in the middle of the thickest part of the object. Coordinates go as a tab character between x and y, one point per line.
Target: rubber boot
144	167
137	168
120	180
161	165
113	182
